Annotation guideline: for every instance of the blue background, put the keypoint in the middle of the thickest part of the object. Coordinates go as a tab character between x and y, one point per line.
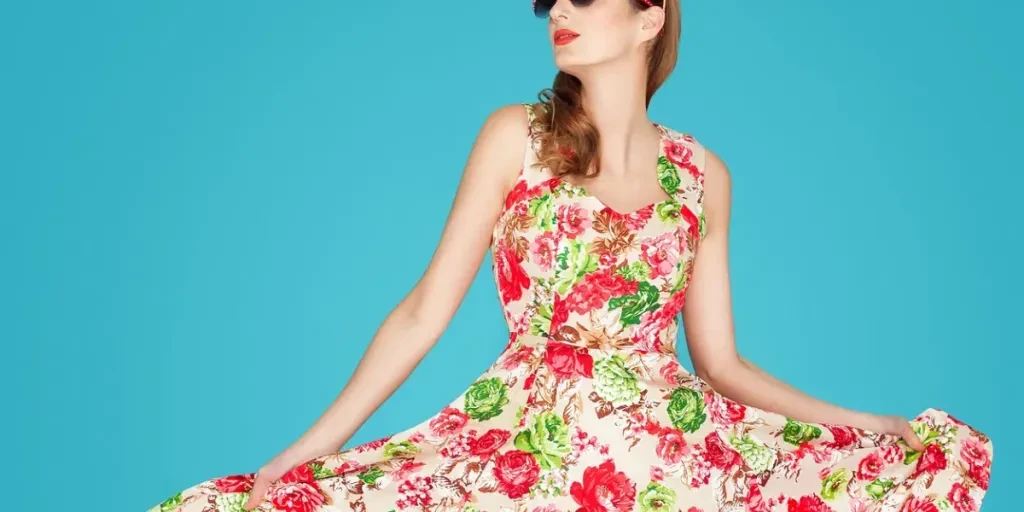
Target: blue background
208	208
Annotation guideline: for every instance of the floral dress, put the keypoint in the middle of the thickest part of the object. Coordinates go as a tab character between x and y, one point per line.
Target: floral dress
588	409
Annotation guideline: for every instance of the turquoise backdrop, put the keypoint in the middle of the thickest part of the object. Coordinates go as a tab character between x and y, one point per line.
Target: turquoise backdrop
208	208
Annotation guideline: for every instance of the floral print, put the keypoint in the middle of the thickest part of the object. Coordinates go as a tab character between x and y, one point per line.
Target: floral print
587	408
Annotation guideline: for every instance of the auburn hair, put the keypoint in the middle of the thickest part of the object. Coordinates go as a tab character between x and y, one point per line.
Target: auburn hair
569	141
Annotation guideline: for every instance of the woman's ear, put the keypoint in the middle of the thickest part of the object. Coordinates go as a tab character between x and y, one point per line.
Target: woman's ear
653	19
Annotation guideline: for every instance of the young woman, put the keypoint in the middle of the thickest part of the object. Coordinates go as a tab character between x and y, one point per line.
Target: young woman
601	224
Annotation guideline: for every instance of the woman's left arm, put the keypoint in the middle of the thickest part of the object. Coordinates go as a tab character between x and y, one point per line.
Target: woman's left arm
710	333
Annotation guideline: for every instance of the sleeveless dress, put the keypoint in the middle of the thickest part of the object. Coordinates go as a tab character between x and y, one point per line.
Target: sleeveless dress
588	409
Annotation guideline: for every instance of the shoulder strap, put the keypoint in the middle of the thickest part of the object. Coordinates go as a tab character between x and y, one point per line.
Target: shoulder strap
532	143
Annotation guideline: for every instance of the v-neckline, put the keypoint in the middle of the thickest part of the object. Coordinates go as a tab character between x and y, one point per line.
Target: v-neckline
581	190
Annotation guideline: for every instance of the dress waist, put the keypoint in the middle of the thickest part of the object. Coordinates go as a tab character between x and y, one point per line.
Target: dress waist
606	345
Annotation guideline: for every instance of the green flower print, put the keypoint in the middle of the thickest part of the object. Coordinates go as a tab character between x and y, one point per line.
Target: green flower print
636	271
542	209
634	306
834	484
668	210
798	433
169	504
485	398
614	382
404	449
232	502
758	456
540	323
878	487
668	174
574	262
656	498
371	475
686	409
320	471
547	439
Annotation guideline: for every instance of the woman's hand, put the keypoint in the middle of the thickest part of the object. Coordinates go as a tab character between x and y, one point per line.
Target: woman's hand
899	426
270	473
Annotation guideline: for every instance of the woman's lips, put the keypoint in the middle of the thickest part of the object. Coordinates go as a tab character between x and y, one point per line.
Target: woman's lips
563	36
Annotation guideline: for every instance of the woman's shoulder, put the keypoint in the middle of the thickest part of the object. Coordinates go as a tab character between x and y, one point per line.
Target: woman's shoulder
684	147
680	136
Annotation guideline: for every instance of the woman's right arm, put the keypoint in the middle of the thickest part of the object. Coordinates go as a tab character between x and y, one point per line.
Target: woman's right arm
415	324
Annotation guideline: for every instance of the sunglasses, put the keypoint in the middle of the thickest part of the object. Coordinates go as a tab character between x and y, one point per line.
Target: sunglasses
542	8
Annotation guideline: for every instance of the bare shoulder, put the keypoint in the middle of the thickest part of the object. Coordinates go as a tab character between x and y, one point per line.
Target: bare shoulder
716	171
717	194
500	145
505	125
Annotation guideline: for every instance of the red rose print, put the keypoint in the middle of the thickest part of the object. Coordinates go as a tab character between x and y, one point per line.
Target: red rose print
235	483
842	436
297	497
721	455
594	290
932	460
681	156
448	422
299	474
692	222
604	488
512	278
518	193
755	502
672	445
559	313
870	467
915	504
568	361
809	503
516	472
980	474
961	499
892	454
489	442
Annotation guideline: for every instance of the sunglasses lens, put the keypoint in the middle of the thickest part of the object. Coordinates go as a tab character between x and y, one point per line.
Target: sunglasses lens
542	8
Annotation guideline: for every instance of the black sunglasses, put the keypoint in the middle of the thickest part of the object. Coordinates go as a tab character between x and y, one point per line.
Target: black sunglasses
542	8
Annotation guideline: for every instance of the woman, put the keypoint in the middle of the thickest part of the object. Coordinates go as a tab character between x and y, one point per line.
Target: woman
587	407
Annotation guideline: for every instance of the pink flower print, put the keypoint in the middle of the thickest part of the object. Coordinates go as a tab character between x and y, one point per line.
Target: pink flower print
573	219
543	248
661	253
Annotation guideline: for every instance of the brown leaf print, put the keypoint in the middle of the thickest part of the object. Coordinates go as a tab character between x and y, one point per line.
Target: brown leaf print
573	409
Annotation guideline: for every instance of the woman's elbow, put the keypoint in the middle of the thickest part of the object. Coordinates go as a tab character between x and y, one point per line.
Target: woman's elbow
717	371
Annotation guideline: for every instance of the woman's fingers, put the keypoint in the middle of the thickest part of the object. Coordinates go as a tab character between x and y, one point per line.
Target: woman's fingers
912	439
259	488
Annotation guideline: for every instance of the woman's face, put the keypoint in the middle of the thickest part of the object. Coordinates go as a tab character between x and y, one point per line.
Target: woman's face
605	30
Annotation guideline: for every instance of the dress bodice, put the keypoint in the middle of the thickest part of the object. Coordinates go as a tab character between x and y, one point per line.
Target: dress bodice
571	268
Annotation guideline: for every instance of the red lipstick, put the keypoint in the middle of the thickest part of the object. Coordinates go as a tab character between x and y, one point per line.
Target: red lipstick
564	36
